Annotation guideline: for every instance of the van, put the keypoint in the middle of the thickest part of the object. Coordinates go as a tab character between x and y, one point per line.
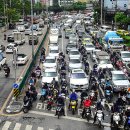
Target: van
105	28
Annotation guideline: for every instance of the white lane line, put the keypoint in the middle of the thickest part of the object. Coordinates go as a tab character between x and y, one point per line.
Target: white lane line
6	125
17	126
65	109
40	128
62	41
66	117
28	127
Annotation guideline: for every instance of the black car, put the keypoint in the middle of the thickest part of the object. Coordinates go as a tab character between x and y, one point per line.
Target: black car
10	38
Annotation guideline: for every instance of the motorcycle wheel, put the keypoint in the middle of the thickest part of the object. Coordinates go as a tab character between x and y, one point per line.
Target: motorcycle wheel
58	114
25	110
100	125
73	111
48	107
42	99
88	117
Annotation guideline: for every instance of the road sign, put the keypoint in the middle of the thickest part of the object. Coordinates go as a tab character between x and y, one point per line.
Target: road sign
16	92
15	85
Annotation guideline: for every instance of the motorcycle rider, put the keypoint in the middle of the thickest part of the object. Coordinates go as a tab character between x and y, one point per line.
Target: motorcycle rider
7	69
99	105
127	114
83	95
116	114
73	96
60	101
86	104
95	117
55	83
27	98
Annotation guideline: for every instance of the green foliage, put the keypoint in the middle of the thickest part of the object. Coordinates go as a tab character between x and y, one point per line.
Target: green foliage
55	8
79	6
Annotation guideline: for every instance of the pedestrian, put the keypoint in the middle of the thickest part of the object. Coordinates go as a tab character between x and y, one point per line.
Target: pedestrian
4	36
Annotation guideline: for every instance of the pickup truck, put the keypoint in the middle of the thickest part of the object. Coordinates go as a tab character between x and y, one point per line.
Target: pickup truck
2	60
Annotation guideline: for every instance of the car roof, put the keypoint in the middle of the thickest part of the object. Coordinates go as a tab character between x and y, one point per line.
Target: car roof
50	57
74	49
102	53
53	48
77	71
125	51
50	70
117	72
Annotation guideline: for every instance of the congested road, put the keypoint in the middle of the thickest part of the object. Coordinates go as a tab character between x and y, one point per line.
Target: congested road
6	83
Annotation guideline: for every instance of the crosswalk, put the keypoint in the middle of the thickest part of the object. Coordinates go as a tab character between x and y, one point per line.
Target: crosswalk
18	126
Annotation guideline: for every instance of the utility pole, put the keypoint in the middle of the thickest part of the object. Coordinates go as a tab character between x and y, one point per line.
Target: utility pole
101	11
32	29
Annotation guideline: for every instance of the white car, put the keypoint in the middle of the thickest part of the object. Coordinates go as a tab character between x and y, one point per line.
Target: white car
15	31
39	31
78	79
89	48
125	56
104	63
21	28
119	80
75	63
2	60
11	47
21	59
74	53
50	62
54	51
48	75
28	31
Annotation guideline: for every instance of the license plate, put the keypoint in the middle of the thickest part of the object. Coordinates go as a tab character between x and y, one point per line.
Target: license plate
73	107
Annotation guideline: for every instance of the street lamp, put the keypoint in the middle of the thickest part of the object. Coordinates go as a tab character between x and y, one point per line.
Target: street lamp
101	11
32	29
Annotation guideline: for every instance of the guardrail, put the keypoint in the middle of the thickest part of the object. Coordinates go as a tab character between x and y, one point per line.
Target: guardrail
23	81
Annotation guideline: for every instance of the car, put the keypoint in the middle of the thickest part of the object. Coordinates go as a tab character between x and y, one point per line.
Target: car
125	56
50	62
34	27
21	59
2	48
93	54
15	31
122	32
10	38
48	75
80	34
119	80
78	79
102	54
28	31
74	53
104	63
70	46
39	31
89	48
75	63
78	27
21	28
72	38
2	60
68	32
54	51
86	41
11	47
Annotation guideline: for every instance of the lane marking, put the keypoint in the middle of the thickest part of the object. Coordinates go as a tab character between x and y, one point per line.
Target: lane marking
17	126
28	127
6	125
39	105
40	128
67	117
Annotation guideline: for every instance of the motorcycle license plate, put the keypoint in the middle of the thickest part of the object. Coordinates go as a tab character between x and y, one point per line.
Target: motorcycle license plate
73	107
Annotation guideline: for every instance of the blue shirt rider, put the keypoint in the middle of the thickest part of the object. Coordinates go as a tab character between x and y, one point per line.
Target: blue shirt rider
107	83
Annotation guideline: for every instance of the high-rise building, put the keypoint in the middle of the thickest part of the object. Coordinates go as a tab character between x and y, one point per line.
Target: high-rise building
65	2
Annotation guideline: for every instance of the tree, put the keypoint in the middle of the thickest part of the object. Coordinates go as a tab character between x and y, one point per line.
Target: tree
55	8
38	7
79	6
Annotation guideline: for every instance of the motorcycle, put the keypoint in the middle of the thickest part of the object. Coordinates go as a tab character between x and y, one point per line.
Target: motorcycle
128	124
50	103
43	95
99	118
92	95
73	106
116	120
7	71
87	70
108	95
87	114
27	106
59	110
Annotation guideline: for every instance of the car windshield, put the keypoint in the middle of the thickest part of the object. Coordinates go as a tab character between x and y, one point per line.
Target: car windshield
50	74
1	57
74	53
49	61
125	55
104	61
119	77
78	75
71	46
74	61
10	47
89	46
53	51
20	56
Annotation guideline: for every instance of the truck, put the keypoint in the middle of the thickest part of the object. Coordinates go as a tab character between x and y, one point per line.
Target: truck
54	34
19	38
113	41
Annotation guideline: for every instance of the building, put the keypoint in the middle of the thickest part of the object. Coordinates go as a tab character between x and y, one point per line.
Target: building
47	2
113	5
65	2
